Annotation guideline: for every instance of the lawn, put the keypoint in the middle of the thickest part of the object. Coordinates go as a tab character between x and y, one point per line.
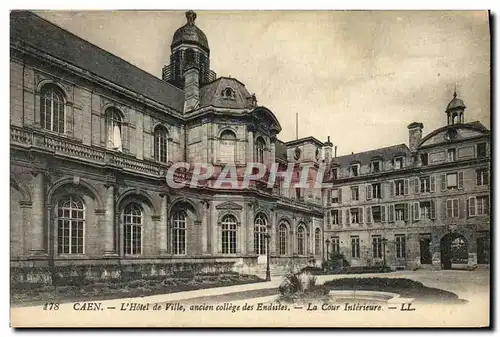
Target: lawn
34	294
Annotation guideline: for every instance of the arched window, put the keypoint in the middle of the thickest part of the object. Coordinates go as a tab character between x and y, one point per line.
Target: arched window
301	240
70	226
229	231
260	234
114	128
132	229
179	233
283	238
161	144
317	241
259	150
52	108
227	147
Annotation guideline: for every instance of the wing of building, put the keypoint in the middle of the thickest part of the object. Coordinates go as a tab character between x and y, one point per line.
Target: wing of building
93	138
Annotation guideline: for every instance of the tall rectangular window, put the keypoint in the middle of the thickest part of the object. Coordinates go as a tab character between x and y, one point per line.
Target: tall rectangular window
377	246
355	193
399	187
452	153
354	170
400	246
335	244
354	215
335	173
335	217
335	196
452	208
424	158
482	205
376	214
425	184
355	250
376	191
482	177
375	166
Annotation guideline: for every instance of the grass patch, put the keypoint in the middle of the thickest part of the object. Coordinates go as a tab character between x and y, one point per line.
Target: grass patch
33	294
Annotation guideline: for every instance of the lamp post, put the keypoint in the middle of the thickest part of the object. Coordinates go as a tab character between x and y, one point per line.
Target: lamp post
327	247
268	271
384	242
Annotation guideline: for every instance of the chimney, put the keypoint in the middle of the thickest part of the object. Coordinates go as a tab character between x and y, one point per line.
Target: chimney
335	154
327	148
191	89
414	135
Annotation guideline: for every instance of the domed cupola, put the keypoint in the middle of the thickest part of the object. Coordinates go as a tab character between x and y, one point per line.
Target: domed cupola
455	110
189	49
190	34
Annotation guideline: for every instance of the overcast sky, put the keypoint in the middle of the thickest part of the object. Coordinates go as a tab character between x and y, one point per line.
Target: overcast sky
359	77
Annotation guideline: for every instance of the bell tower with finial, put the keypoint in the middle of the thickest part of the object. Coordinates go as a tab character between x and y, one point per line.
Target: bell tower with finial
189	49
455	110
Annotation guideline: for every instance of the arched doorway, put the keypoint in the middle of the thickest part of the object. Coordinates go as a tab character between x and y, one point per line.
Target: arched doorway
454	250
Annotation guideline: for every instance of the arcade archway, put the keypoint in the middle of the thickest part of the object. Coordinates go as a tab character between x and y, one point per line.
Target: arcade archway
454	250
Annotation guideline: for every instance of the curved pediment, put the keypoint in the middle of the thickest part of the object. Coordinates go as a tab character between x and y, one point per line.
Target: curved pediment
455	132
266	117
229	205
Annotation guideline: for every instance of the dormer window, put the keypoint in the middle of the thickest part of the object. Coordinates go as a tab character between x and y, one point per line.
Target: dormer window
335	173
375	166
228	93
354	170
398	163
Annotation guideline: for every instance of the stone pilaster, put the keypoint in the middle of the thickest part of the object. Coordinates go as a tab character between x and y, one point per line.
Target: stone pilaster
250	131
273	237
205	204
250	227
109	226
38	210
164	230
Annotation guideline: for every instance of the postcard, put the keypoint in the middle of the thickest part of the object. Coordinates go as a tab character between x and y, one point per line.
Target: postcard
250	168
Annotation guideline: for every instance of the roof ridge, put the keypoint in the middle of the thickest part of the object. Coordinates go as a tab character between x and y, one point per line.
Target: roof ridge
96	46
377	149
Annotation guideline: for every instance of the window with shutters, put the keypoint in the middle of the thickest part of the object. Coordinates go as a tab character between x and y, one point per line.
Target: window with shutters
377	246
425	184
452	208
482	177
335	244
399	187
424	210
400	246
355	250
481	150
376	191
354	170
376	214
355	193
398	163
400	212
375	166
452	153
335	217
424	159
471	206
390	213
355	216
482	205
335	194
451	180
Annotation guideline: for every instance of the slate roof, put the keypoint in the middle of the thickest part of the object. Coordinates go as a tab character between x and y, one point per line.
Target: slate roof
211	94
455	103
280	150
28	28
190	33
385	153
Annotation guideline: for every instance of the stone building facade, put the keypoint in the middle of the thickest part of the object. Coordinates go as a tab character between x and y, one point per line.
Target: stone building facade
92	138
422	206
